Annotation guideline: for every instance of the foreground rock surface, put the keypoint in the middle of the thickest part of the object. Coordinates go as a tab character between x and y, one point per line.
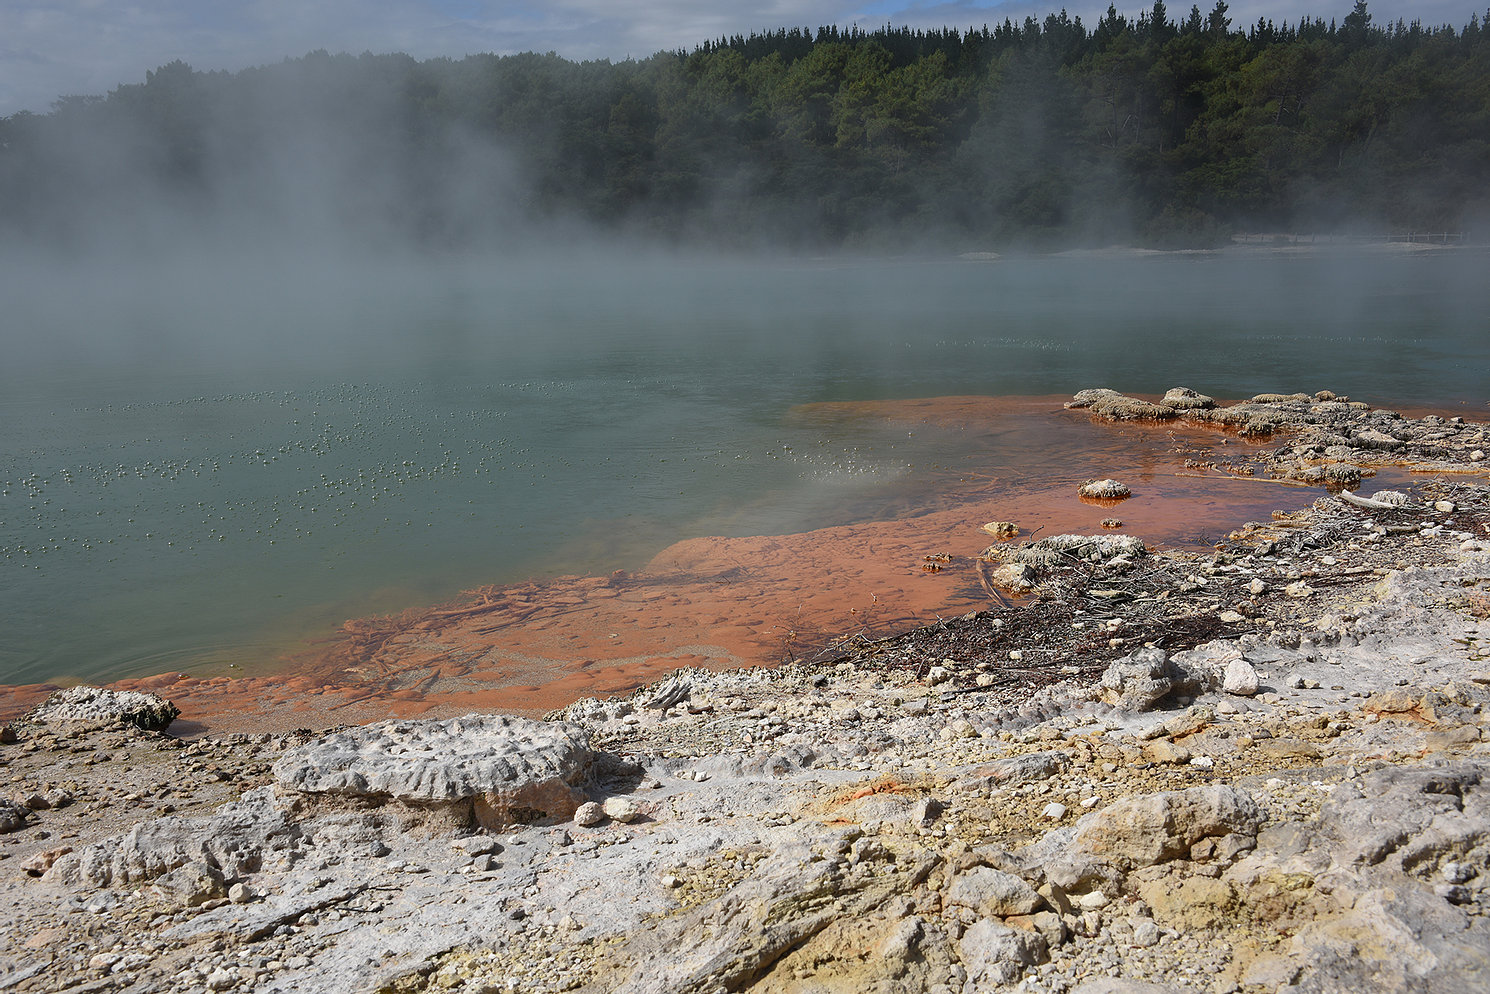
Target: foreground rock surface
1110	789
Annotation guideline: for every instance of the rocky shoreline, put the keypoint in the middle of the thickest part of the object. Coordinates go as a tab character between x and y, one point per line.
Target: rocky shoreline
1259	769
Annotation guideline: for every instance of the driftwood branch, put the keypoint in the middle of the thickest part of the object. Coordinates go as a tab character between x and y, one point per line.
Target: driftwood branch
1370	504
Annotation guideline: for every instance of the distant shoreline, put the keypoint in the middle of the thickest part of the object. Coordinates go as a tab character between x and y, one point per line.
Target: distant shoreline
1294	245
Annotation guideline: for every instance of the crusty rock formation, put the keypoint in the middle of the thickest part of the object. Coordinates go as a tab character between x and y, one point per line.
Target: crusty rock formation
233	842
494	770
1104	490
1138	682
96	704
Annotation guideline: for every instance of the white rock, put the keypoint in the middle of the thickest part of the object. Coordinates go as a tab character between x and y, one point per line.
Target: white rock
993	953
95	704
1104	490
487	766
588	814
1055	811
1240	679
621	809
476	845
992	892
961	728
221	979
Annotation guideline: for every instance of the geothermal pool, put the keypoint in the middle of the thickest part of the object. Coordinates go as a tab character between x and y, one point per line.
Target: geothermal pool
204	466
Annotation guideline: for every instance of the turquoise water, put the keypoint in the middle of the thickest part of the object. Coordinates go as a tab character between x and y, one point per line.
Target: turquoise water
203	464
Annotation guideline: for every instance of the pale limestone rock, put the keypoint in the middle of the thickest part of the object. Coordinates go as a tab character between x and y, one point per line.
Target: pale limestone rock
1104	490
1240	679
1110	404
235	840
1165	751
1142	831
495	769
790	899
1373	439
994	953
588	814
621	809
190	885
1185	399
1271	972
1047	923
42	862
97	705
222	978
1139	681
993	893
1013	769
1063	549
1016	577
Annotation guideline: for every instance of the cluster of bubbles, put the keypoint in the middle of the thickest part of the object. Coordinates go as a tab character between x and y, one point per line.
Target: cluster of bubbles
309	462
1033	344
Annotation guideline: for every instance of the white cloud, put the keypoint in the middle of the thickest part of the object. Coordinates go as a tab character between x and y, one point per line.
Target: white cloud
50	48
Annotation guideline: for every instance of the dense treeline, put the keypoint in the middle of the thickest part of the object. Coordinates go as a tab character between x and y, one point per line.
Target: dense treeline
1164	129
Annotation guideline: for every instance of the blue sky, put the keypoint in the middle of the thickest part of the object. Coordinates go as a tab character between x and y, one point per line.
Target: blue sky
50	48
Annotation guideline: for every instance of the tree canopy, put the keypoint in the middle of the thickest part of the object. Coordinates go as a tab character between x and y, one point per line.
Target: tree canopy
1173	128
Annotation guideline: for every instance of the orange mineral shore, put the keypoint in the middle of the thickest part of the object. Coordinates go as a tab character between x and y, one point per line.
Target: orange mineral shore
718	603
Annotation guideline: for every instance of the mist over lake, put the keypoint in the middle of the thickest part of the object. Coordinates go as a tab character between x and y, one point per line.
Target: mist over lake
206	461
